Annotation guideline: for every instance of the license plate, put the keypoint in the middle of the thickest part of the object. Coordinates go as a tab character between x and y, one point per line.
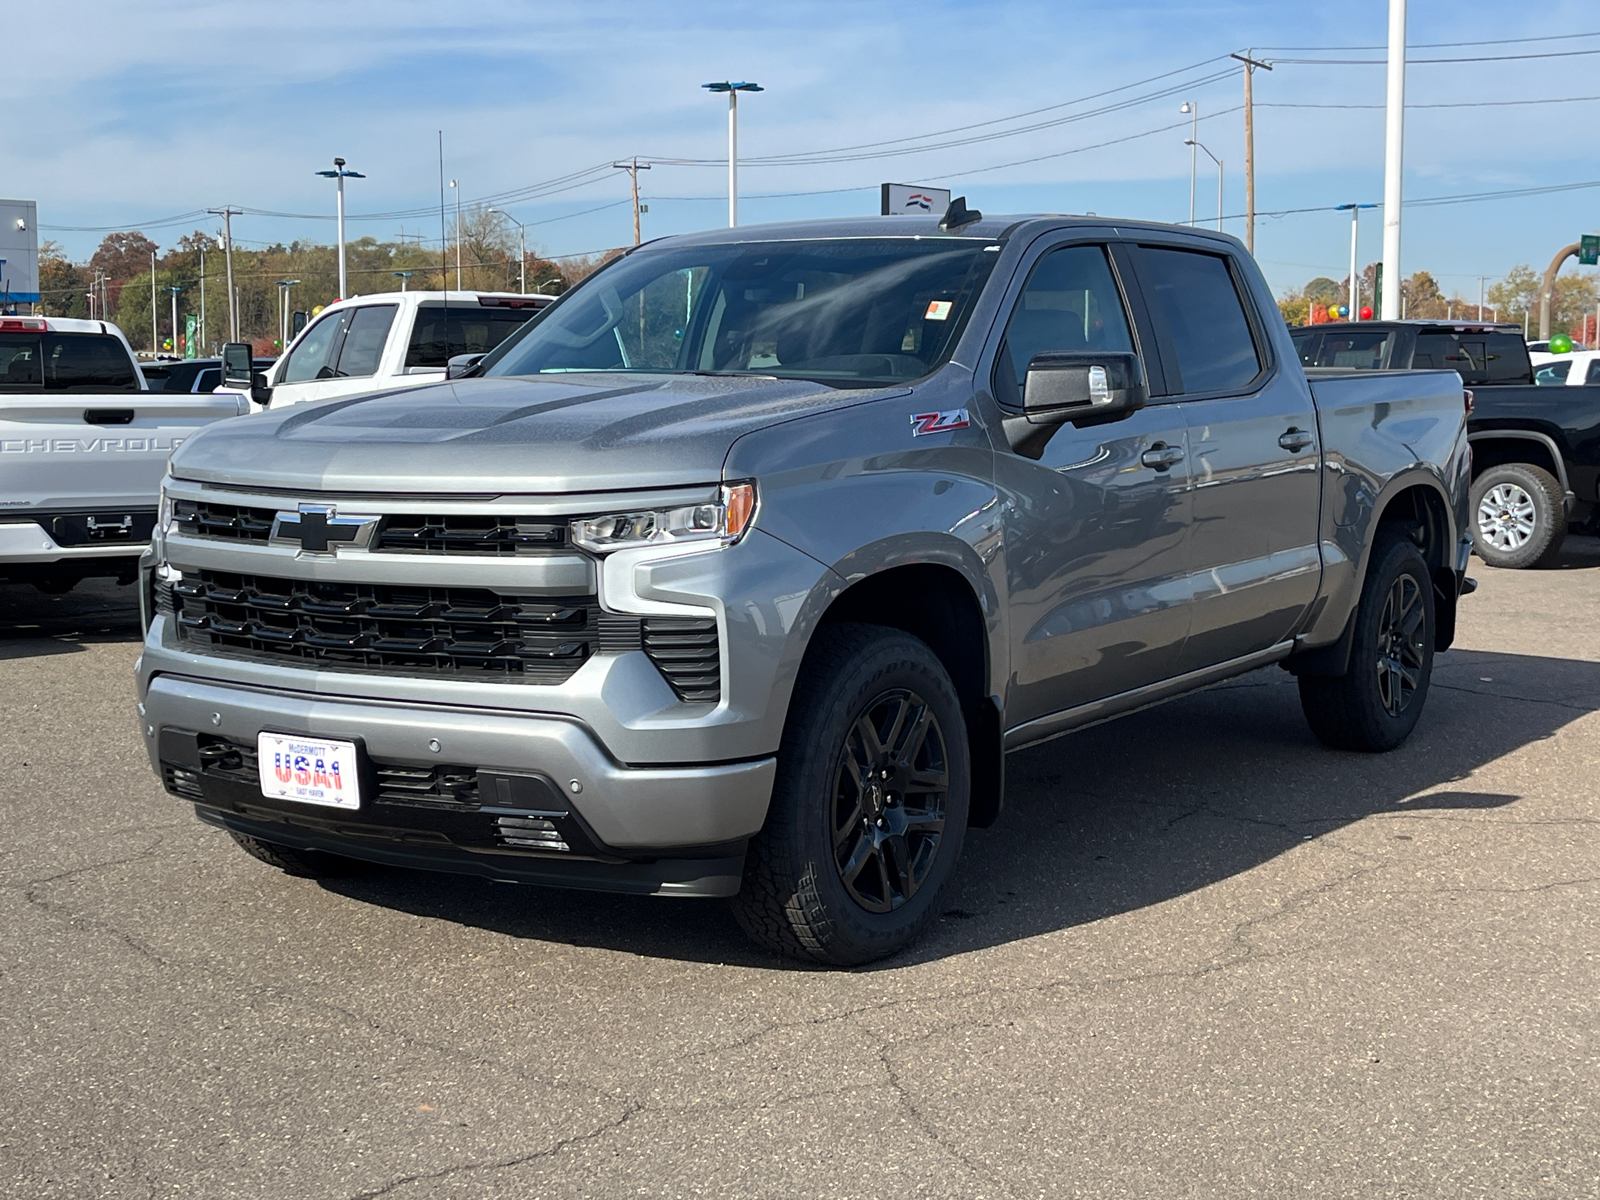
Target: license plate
308	770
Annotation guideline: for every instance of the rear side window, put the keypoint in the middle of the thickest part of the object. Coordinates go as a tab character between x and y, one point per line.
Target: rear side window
1362	348
440	332
1304	342
363	341
1594	371
1194	294
210	380
1552	373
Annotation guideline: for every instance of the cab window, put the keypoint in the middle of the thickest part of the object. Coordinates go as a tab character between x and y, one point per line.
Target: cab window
1071	302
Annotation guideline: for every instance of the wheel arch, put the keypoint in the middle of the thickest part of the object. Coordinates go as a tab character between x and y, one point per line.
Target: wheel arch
1496	447
937	603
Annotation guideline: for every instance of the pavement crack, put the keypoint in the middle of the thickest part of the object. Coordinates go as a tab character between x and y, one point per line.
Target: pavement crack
503	1164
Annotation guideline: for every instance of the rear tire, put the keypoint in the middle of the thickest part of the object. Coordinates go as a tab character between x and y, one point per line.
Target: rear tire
869	808
1519	516
1376	703
308	864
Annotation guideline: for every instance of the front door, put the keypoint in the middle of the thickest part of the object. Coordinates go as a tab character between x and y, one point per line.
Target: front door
1253	457
1096	526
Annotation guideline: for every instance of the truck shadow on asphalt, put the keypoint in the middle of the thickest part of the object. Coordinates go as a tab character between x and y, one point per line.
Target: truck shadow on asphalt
1109	820
33	624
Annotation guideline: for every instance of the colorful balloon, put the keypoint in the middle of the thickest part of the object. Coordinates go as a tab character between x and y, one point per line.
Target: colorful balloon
1561	344
1366	313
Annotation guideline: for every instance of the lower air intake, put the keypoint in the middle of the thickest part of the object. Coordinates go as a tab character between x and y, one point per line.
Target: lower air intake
530	833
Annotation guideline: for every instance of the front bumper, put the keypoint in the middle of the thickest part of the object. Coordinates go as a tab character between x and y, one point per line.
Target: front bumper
28	543
678	829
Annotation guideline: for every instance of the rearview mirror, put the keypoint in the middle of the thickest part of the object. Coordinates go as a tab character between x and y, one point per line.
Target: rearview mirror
236	365
1080	387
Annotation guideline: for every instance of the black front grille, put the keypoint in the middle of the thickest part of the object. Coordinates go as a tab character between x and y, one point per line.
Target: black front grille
434	787
182	783
686	651
456	534
231	522
375	627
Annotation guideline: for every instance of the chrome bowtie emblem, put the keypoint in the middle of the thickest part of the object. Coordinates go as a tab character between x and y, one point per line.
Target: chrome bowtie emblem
317	529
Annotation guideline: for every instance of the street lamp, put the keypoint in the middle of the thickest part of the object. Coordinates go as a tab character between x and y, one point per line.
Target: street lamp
733	90
283	311
1191	142
1193	110
402	276
457	186
1355	233
522	233
175	290
341	175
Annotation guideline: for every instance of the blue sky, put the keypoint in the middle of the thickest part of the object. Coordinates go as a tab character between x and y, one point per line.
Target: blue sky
135	112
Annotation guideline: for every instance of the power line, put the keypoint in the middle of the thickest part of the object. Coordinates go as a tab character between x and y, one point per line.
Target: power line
1453	104
1547	37
1414	62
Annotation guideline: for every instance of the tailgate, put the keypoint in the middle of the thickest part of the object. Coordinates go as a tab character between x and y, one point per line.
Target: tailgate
67	453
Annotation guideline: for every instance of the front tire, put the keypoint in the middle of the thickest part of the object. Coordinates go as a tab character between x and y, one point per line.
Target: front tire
1376	703
869	808
1519	518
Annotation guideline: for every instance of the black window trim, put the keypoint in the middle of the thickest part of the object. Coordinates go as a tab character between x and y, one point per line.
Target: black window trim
1266	352
1048	242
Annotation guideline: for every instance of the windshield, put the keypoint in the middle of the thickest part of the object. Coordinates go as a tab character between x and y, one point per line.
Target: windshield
847	312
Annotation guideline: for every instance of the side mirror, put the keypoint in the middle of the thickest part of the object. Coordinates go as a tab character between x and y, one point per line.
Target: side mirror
237	367
1080	387
462	366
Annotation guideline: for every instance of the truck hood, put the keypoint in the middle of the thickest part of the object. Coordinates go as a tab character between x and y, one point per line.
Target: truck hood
568	433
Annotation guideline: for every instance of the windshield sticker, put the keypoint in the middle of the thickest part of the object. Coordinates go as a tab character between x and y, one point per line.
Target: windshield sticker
938	310
938	422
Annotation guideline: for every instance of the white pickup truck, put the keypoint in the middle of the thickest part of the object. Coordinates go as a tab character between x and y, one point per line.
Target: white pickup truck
385	341
83	446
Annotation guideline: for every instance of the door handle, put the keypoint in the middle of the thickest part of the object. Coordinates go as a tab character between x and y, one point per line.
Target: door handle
1295	440
1161	456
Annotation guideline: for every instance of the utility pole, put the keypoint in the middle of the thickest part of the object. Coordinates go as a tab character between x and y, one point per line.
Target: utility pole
204	336
1480	297
633	168
1393	158
456	184
1250	64
227	250
155	335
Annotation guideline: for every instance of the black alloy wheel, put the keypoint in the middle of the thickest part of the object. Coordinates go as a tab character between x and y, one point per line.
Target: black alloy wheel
889	800
1400	646
869	806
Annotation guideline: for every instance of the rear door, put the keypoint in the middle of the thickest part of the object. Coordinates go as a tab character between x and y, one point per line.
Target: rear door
1253	455
340	355
1095	526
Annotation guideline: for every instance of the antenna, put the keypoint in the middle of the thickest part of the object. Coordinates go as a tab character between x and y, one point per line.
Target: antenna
958	214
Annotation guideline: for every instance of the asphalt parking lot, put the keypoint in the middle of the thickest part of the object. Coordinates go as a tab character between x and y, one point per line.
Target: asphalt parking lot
1200	956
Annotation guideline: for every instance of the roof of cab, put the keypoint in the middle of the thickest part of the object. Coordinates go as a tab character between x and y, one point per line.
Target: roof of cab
991	226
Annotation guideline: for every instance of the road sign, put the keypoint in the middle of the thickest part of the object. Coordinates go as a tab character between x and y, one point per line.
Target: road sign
914	200
1589	249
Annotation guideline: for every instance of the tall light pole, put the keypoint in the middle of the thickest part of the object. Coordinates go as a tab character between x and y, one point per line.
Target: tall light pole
155	334
733	90
203	339
1355	233
522	241
402	276
174	289
1393	155
1218	161
457	186
341	175
1193	109
283	312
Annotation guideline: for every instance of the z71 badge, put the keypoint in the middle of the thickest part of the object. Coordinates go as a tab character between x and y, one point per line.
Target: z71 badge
938	422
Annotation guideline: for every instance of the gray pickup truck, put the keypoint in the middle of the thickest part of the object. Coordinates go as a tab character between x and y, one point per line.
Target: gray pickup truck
739	570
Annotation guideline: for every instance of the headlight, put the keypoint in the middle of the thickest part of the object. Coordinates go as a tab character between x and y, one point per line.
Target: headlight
164	516
722	522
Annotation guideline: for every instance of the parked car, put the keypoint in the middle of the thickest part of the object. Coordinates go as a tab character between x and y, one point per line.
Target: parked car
1580	368
387	341
741	569
1536	460
196	376
83	446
